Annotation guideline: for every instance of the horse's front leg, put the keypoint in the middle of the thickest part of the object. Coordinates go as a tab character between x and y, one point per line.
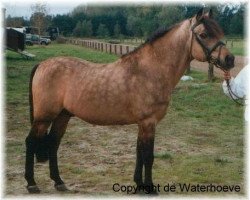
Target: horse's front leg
147	139
139	162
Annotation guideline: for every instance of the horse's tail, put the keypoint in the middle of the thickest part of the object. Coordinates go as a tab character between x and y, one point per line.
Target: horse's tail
42	143
31	94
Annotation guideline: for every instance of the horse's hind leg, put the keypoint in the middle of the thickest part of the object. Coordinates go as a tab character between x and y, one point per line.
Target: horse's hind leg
37	132
57	131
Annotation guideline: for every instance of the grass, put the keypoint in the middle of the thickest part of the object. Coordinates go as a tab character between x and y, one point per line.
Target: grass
199	141
236	46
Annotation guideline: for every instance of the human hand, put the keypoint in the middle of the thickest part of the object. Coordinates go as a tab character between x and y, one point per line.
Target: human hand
227	75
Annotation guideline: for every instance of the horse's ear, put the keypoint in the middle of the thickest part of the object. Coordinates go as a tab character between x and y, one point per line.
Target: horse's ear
210	13
199	14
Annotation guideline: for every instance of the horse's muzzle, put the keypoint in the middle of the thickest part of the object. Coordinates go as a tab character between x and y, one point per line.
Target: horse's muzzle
229	61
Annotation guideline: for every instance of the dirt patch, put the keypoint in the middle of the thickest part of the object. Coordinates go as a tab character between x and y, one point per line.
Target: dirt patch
240	62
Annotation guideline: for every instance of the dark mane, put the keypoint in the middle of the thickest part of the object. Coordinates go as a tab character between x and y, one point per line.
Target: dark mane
212	27
160	32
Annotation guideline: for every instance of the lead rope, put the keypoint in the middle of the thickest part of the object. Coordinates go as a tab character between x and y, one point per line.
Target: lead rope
231	93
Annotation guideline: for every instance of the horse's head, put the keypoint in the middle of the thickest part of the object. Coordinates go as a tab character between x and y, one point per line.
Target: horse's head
206	44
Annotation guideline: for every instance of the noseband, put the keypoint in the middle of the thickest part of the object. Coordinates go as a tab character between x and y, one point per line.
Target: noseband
215	61
208	51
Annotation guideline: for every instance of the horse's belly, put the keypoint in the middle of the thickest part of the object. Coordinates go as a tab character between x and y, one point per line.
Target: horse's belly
101	109
105	116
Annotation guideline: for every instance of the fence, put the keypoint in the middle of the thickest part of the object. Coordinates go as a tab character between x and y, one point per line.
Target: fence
234	43
118	49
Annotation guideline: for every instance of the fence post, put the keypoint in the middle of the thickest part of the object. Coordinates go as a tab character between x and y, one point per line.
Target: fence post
210	72
121	49
188	70
127	49
115	48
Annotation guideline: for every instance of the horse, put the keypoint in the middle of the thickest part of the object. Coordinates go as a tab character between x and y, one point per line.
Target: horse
135	89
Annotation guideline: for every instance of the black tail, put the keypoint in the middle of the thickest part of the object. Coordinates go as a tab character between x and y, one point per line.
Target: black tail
41	143
31	94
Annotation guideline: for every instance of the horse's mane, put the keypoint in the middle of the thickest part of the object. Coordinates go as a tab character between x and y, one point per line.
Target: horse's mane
160	32
212	27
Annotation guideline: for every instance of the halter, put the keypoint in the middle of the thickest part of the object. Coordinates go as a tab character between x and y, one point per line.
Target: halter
208	51
215	61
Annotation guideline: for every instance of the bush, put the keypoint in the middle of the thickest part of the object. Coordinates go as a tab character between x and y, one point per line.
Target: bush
61	40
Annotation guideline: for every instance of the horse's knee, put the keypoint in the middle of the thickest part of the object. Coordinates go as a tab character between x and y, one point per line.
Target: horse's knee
147	131
39	128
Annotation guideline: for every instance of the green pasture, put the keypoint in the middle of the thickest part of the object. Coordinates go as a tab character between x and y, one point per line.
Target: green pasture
200	140
236	45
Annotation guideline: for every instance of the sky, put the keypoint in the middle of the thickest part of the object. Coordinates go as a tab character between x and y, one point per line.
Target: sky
19	8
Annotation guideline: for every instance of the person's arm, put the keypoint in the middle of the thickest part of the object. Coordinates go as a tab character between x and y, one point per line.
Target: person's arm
237	84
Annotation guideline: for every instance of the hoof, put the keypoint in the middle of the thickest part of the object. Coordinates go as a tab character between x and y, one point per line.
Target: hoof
33	189
153	193
150	189
61	188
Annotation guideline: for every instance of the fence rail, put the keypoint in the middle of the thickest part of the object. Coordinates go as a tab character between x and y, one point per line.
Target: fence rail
118	49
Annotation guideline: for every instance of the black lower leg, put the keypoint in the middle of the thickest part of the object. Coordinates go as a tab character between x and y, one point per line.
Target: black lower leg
53	166
148	159
31	144
42	149
139	163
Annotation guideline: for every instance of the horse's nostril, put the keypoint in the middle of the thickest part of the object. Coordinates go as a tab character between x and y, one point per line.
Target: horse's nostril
229	60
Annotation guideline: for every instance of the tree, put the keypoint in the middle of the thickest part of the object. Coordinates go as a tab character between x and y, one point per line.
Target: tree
78	29
134	26
117	30
87	28
15	21
237	22
38	17
65	23
142	21
170	15
103	31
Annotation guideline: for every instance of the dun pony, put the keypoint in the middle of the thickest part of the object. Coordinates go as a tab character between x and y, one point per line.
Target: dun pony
135	89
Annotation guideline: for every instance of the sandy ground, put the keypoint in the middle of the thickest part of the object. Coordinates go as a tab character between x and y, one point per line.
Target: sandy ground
240	62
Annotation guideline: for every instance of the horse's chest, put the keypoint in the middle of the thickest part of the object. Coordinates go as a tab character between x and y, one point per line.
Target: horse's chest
150	99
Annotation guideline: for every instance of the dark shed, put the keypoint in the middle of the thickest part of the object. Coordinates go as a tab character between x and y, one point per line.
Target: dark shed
15	40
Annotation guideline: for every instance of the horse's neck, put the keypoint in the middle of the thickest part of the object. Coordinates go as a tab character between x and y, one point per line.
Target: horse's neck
172	53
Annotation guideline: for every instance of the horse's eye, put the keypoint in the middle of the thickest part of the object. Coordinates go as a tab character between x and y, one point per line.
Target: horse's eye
203	35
